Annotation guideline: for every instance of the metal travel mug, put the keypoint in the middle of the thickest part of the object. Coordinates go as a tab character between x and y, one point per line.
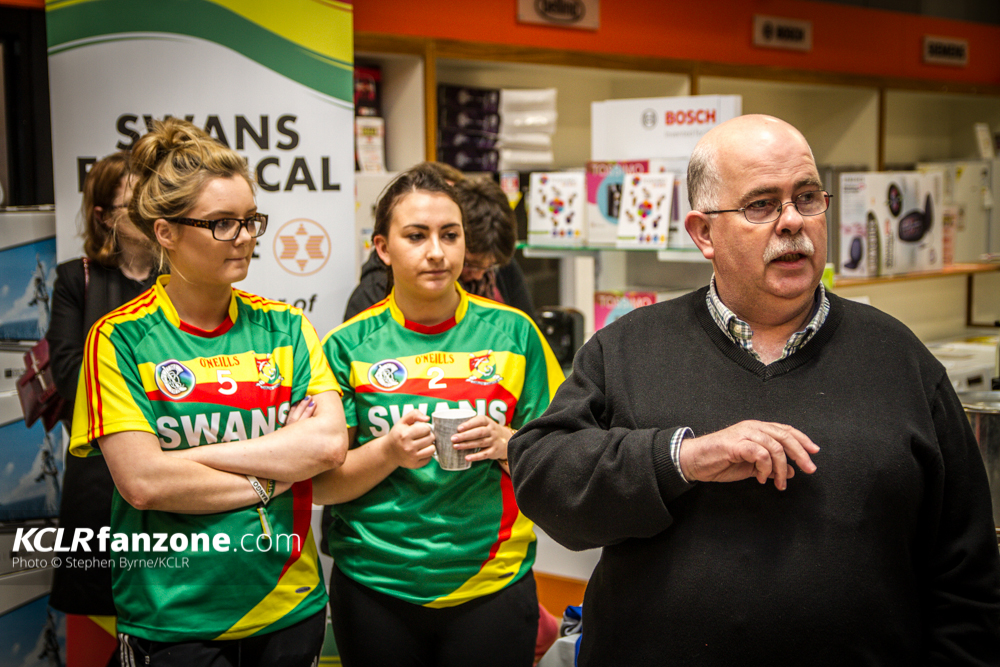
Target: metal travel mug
444	424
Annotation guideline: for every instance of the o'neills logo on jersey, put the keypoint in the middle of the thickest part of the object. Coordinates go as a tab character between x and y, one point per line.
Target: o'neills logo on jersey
174	379
268	375
388	375
484	369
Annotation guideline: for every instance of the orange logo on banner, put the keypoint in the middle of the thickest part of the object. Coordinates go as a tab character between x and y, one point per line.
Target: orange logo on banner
302	247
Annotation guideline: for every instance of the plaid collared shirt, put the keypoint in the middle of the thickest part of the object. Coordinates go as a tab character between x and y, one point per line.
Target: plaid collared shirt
740	332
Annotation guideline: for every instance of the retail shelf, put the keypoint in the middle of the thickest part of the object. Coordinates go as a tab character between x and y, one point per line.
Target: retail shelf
952	270
664	255
681	255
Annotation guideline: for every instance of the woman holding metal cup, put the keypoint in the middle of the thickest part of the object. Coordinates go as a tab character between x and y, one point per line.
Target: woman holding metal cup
432	563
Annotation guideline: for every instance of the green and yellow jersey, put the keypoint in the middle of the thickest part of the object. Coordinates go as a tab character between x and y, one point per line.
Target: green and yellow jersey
429	536
186	577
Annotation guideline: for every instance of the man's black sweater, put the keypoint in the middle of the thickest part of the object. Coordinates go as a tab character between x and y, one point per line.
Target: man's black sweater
885	555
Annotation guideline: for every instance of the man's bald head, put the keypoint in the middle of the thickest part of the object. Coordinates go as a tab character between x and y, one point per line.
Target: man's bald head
733	139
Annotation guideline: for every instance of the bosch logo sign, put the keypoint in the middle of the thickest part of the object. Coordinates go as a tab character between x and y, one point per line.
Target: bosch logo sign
649	119
569	11
690	117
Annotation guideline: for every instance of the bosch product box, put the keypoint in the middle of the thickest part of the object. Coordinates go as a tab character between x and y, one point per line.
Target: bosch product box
667	127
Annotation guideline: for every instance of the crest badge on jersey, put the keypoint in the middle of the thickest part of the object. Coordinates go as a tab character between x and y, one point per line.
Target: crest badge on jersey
387	375
484	369
268	374
174	379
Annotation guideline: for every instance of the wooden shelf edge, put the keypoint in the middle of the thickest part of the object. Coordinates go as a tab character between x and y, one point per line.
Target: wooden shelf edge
948	271
369	42
462	50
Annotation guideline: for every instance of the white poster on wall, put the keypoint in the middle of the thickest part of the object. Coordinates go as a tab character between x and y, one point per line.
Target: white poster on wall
273	82
658	127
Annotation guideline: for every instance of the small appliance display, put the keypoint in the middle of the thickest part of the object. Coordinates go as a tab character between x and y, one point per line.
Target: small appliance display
890	223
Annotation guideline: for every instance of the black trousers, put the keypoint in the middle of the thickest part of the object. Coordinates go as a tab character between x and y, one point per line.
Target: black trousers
298	645
377	630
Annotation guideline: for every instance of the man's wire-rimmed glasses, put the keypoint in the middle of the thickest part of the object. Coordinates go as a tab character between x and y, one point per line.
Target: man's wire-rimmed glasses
227	229
763	211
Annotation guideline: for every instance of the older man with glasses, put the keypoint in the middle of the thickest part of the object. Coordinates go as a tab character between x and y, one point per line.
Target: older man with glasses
659	446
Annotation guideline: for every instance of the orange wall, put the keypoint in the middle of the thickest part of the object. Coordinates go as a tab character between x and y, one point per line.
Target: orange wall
845	39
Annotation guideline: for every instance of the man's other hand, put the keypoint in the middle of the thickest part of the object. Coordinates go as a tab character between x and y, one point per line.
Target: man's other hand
750	448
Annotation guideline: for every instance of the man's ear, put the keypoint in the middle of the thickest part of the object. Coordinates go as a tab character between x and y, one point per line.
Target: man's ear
699	227
167	235
381	247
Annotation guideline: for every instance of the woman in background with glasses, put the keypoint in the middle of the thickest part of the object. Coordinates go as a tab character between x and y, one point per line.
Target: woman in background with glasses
213	408
119	264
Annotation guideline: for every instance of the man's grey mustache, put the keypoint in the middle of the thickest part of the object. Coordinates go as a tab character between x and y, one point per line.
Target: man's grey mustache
785	245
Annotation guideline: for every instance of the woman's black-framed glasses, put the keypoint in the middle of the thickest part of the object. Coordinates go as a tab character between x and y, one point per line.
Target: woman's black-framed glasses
227	229
763	211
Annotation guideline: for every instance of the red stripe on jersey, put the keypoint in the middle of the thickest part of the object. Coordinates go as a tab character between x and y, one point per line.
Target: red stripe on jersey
226	325
507	519
98	404
124	309
302	495
456	390
436	329
247	396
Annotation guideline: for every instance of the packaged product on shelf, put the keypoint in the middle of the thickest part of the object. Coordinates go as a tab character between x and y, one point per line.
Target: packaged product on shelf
484	99
859	238
531	99
890	223
535	141
369	143
609	306
367	90
521	159
452	138
463	118
470	159
662	126
678	236
517	185
644	212
604	190
557	209
530	121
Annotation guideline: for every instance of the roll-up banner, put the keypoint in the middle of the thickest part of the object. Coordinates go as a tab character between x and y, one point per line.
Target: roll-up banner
272	80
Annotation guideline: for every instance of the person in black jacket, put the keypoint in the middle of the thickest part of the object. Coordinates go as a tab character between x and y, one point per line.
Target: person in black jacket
491	238
120	264
659	447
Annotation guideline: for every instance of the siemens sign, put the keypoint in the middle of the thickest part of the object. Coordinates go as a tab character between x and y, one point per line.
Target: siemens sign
946	51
